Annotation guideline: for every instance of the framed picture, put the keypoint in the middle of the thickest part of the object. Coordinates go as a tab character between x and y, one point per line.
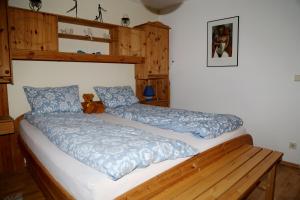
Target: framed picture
223	42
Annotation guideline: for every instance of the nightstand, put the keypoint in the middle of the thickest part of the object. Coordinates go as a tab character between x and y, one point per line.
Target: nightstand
6	125
156	103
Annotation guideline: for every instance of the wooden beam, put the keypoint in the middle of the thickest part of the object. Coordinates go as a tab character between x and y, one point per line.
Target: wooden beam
73	57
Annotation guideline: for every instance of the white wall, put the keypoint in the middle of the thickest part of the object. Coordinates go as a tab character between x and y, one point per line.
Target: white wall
261	89
86	75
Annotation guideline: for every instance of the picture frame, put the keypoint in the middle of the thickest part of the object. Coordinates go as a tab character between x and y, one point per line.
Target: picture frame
223	42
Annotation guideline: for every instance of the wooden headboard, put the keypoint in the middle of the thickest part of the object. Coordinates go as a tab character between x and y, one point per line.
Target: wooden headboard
90	106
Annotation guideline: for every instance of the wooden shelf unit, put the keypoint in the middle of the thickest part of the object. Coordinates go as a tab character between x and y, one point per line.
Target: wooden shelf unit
36	38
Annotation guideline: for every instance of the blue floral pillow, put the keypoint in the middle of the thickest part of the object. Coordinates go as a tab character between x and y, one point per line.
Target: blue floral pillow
116	96
56	99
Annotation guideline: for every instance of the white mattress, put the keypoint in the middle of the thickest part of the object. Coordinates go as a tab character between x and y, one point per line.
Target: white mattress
84	182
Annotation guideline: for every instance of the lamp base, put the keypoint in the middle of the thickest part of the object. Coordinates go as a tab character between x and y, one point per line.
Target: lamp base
148	98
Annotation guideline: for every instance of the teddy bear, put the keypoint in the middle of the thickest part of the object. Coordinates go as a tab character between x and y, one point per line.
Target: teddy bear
90	106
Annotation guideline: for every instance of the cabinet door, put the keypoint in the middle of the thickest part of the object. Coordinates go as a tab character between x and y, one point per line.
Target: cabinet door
5	63
157	56
163	51
128	42
162	89
152	55
36	31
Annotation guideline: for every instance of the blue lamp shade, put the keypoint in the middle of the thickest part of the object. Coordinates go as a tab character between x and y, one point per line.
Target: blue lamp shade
149	93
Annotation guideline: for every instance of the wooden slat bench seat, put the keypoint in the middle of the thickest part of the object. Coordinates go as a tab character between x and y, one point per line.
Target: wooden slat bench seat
232	176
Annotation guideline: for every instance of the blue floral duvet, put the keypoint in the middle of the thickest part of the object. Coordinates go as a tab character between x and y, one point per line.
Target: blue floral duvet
200	124
109	148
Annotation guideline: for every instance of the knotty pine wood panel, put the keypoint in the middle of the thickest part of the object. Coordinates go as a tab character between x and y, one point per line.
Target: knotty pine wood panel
157	52
36	31
128	42
5	63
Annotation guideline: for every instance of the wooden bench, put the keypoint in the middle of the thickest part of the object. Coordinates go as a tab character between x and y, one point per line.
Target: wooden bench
232	176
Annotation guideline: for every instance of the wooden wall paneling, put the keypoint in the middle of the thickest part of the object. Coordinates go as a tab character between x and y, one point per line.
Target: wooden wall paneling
5	62
38	33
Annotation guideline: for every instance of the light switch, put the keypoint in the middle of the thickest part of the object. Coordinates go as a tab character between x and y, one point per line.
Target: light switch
297	77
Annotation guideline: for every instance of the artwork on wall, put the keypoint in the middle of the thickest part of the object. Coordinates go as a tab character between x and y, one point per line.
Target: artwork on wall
222	42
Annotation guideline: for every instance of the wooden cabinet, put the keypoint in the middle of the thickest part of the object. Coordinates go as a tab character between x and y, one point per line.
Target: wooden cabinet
128	42
155	70
38	33
5	62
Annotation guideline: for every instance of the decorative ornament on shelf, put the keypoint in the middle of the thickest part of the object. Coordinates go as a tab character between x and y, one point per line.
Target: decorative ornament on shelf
35	5
125	20
149	93
106	36
74	8
99	17
88	32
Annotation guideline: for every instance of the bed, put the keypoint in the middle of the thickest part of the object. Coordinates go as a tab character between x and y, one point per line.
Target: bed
63	177
91	184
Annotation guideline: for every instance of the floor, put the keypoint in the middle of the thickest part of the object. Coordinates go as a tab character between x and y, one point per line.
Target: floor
287	185
20	186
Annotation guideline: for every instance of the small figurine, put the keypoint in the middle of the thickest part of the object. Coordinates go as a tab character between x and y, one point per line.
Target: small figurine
88	33
125	20
74	7
35	4
99	17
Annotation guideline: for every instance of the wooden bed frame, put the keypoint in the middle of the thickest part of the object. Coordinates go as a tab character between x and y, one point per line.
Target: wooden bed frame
179	174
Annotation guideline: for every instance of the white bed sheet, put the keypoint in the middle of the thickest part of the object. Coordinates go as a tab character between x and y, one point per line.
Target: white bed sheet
84	182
